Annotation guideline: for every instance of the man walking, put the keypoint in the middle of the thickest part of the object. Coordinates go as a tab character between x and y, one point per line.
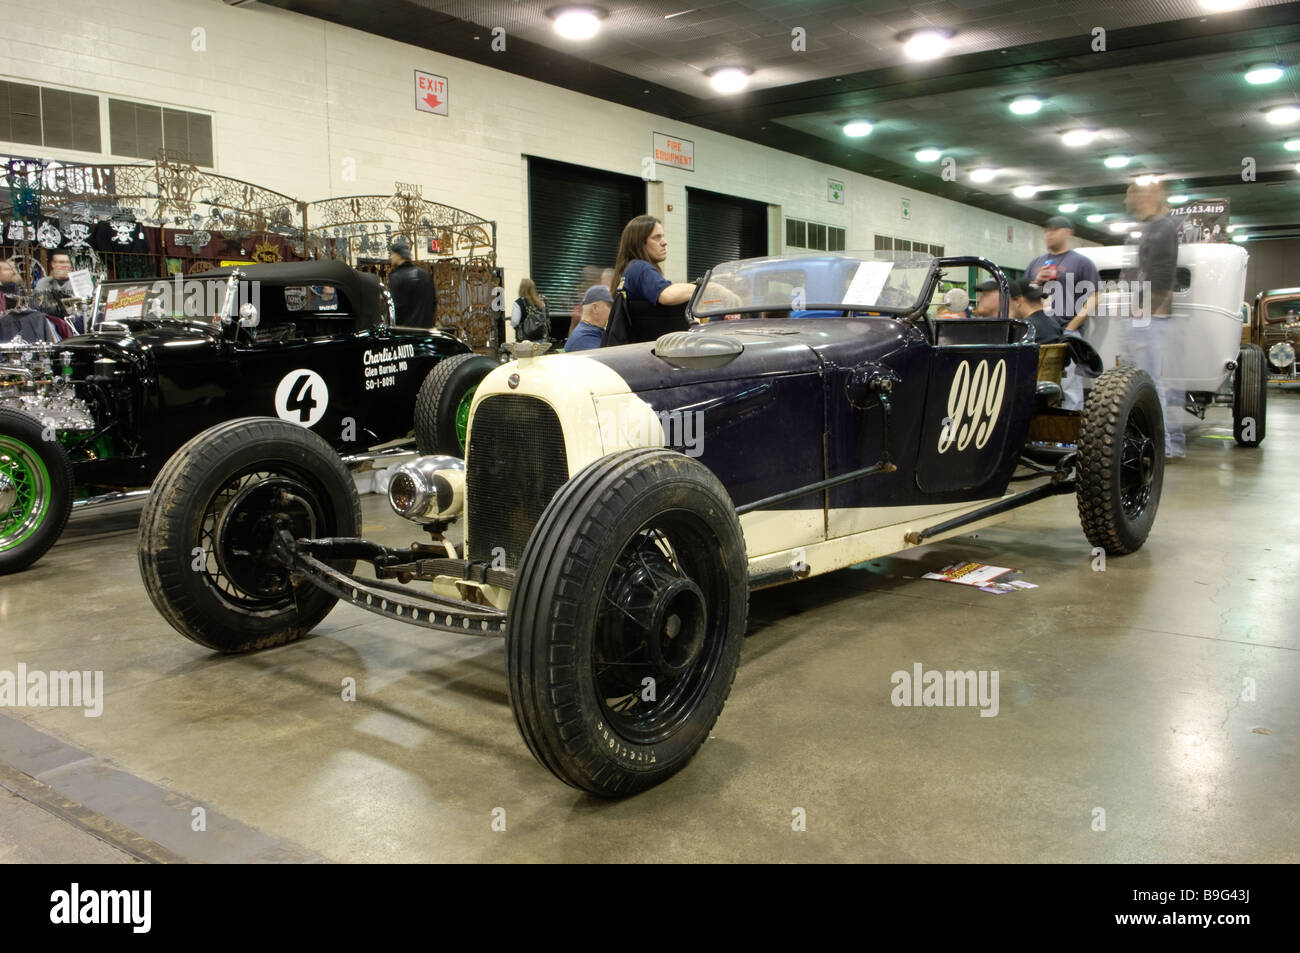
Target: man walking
415	300
1156	267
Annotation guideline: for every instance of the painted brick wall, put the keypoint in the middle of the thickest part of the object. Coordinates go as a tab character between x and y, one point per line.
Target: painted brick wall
293	99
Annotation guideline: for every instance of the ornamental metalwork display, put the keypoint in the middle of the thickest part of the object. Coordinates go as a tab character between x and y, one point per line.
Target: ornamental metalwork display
51	202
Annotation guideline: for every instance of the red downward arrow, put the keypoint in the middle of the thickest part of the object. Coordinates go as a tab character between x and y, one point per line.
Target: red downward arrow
433	101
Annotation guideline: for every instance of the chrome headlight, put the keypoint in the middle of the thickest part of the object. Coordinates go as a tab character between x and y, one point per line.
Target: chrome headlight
1282	354
428	488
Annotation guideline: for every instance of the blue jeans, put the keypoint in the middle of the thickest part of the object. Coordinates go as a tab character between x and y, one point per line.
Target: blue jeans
1146	344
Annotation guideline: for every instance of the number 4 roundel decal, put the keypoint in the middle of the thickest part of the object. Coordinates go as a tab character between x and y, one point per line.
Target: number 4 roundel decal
302	397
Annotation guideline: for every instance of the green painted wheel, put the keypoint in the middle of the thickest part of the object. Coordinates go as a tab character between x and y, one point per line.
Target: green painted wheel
442	406
35	490
462	416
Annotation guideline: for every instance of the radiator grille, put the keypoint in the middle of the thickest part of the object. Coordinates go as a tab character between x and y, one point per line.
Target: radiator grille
516	463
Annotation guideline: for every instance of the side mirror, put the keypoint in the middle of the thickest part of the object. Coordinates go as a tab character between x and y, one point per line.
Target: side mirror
248	316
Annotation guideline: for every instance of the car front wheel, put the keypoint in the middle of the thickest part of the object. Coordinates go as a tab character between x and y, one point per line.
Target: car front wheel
1249	396
626	621
1121	463
207	532
35	490
442	406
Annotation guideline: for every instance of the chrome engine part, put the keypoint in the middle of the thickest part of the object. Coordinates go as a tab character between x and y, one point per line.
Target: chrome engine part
37	380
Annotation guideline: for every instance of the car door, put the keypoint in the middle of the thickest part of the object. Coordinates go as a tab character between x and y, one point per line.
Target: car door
978	402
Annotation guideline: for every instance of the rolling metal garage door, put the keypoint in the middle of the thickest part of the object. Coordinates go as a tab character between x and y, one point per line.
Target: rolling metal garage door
722	228
575	218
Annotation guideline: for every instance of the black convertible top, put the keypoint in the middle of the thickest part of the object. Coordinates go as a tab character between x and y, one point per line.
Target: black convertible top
363	291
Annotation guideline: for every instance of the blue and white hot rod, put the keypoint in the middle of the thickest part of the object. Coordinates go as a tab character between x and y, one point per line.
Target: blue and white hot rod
616	507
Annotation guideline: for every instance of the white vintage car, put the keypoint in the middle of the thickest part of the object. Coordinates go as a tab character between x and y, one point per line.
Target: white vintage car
1206	356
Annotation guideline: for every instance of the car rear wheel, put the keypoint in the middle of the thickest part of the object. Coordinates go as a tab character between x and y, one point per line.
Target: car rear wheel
442	406
206	533
35	490
1249	396
626	621
1121	462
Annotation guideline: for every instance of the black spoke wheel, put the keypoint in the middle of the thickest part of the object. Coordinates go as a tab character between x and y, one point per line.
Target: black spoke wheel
207	531
1249	396
626	621
1121	461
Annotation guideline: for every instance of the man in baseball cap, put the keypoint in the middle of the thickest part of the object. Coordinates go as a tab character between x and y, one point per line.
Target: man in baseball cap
986	299
1069	280
591	326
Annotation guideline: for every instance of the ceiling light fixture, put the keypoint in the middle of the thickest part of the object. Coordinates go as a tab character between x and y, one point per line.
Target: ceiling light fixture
1025	191
577	23
983	174
1240	238
1025	105
729	79
1118	227
1117	161
1281	115
925	44
1150	179
1067	208
857	129
1291	145
1264	74
928	154
1078	137
1135	234
1176	199
1096	217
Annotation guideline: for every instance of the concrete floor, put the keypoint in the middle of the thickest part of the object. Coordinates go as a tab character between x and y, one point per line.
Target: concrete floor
1121	690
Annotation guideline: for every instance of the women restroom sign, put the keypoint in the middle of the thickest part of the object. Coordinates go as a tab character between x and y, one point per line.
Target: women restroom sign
431	93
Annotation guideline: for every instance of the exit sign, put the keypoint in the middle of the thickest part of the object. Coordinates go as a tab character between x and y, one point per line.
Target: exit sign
431	93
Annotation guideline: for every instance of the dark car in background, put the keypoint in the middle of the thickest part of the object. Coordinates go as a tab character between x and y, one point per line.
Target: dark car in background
93	418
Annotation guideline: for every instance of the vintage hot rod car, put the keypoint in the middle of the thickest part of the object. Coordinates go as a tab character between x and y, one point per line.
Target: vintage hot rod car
1207	359
618	505
1275	330
92	418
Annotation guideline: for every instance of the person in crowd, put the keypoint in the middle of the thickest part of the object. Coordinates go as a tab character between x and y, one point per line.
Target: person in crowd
415	300
1156	266
1069	280
591	274
1027	305
986	299
1070	284
11	286
53	290
655	304
595	313
529	300
324	298
954	304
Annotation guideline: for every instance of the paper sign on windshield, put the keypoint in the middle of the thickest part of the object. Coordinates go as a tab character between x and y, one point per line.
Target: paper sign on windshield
868	280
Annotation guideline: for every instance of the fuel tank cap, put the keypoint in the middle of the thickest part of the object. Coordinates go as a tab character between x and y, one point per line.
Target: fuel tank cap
695	350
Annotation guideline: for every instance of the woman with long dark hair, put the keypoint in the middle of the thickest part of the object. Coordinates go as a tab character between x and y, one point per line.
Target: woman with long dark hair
655	304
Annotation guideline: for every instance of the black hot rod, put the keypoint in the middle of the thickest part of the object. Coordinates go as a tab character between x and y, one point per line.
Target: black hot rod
619	505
